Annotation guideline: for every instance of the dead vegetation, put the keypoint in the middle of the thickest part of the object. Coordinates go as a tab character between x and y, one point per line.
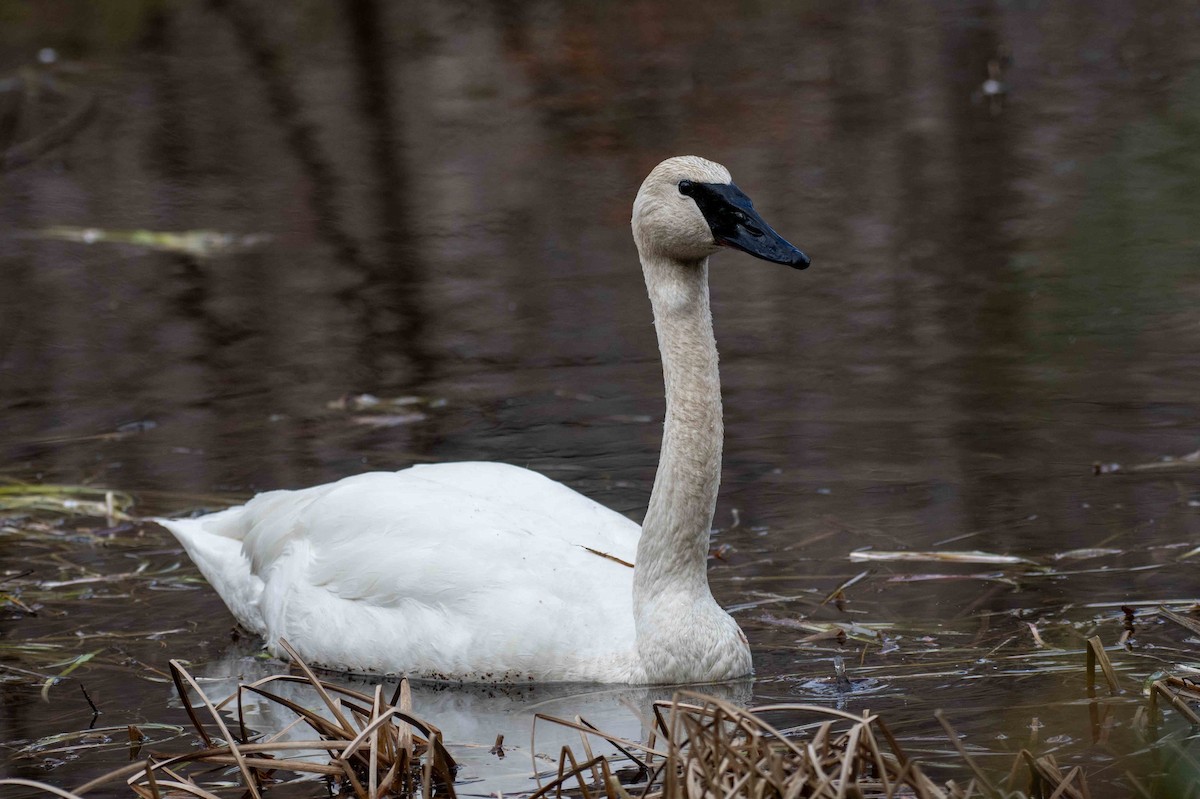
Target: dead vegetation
699	747
371	747
63	500
712	749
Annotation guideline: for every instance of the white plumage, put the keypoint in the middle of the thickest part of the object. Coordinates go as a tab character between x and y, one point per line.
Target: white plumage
468	571
487	572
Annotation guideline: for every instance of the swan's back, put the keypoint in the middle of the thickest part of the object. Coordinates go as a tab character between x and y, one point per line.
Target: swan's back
474	571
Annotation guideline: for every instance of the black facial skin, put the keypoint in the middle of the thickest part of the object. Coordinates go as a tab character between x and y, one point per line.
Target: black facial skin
735	223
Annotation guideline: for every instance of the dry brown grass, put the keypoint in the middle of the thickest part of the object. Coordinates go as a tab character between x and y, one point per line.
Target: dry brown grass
699	747
374	747
712	749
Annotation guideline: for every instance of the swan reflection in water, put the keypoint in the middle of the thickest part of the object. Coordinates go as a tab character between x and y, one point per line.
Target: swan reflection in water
469	715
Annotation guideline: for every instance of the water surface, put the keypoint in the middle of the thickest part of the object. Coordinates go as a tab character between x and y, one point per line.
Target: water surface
431	201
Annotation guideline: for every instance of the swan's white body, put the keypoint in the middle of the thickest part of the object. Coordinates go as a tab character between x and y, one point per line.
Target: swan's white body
487	572
472	571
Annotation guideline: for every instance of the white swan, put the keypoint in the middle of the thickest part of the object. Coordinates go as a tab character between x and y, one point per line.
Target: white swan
486	572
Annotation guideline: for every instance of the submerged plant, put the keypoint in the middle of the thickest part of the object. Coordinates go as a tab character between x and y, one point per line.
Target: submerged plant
65	500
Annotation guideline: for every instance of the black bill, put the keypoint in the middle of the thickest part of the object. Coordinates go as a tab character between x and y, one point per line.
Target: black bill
735	223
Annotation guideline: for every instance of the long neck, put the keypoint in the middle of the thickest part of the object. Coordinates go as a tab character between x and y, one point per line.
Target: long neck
672	554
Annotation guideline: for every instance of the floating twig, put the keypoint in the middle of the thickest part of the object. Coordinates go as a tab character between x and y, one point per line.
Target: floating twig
974	556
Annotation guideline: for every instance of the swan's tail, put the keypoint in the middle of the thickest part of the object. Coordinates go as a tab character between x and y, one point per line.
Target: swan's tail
214	544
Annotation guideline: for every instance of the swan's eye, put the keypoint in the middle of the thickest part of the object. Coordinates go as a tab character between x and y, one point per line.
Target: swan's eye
686	187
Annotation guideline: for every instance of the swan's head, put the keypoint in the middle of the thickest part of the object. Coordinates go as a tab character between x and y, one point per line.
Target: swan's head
689	207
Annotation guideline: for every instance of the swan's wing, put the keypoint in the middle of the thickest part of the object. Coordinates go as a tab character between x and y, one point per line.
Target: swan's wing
386	537
525	494
470	566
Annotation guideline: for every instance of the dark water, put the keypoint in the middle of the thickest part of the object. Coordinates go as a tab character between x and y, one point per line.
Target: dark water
431	200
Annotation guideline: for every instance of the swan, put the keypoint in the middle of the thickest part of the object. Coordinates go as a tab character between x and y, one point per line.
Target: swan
486	572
